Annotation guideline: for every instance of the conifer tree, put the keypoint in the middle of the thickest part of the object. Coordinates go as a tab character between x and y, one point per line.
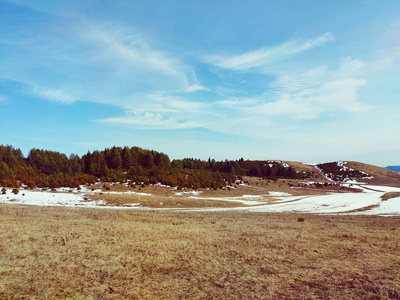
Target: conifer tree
116	160
127	159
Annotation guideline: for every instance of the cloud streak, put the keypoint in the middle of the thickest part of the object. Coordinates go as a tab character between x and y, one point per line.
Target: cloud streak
130	49
52	95
307	95
195	88
145	119
266	56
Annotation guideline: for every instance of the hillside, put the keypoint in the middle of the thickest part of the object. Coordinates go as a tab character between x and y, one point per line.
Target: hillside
50	169
350	171
381	176
308	168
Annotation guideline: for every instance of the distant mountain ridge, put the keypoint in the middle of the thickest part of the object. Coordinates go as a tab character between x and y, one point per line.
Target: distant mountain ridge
393	168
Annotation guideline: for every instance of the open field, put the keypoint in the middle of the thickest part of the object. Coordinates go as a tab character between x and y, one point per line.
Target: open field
53	253
162	202
256	195
253	186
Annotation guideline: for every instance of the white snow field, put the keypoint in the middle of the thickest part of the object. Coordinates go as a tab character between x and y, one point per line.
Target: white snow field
45	198
367	202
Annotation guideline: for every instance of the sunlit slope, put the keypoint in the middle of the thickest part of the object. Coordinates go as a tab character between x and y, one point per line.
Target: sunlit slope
380	176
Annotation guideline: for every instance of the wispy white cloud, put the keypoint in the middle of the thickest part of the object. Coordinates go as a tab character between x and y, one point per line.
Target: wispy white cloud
175	104
151	120
125	52
290	98
224	91
307	95
335	96
268	55
195	88
285	82
238	102
349	67
160	111
50	94
99	62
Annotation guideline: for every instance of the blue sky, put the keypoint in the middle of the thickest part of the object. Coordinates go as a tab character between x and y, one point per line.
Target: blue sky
309	81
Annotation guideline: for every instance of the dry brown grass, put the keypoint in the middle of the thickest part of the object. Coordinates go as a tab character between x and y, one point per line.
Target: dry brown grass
390	195
165	197
59	253
381	176
255	186
161	202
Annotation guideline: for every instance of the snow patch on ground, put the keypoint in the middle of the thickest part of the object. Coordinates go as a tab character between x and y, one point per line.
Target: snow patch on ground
161	185
381	188
40	198
128	193
367	202
279	162
389	207
184	193
278	194
334	203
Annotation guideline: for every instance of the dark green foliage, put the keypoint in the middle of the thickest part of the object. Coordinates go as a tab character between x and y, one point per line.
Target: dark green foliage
48	162
5	171
127	158
266	169
75	166
115	158
43	168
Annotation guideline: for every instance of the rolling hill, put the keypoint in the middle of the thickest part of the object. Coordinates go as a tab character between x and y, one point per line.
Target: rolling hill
350	171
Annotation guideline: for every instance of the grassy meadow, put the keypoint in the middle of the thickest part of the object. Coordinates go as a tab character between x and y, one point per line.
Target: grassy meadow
60	253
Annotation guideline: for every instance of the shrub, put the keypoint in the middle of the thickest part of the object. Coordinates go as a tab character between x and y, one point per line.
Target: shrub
3	191
15	191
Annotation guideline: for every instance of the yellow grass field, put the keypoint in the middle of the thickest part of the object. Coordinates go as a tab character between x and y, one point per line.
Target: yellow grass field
61	253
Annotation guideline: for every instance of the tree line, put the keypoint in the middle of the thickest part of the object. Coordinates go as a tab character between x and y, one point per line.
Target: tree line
44	168
265	169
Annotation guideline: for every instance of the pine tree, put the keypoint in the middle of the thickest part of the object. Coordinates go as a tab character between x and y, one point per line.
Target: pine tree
116	160
127	159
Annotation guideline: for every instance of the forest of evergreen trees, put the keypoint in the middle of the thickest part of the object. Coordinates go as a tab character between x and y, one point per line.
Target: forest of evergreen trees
43	168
